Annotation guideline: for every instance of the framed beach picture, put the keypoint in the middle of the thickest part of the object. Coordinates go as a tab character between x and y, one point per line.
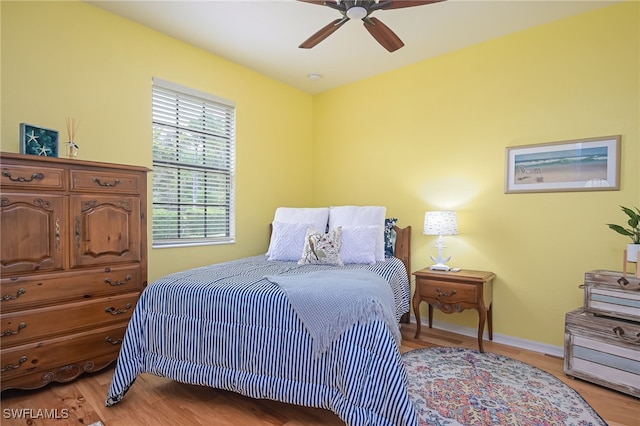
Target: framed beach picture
578	165
36	140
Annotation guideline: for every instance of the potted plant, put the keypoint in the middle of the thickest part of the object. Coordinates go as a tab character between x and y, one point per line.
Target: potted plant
633	232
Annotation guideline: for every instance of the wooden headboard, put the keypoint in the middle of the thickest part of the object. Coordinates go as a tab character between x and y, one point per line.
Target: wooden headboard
403	252
403	247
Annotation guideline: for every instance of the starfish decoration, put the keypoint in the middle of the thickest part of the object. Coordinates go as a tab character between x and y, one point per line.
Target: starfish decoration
33	137
43	151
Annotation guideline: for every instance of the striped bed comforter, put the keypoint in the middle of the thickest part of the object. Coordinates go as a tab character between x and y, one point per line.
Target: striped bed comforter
226	326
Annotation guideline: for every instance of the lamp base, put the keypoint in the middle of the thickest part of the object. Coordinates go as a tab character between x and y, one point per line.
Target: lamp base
440	267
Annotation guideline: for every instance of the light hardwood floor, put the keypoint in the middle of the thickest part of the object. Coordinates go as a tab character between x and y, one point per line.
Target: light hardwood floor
162	402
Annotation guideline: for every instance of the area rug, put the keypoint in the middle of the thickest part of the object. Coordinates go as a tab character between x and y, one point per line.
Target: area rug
455	386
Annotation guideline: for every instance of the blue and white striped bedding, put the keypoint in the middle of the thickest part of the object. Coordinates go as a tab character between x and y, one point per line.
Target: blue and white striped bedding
226	326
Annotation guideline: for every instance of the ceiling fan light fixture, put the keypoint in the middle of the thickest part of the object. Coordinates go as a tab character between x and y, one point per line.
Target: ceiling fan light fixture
356	12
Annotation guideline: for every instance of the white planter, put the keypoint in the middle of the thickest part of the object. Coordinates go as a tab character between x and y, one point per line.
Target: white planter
632	252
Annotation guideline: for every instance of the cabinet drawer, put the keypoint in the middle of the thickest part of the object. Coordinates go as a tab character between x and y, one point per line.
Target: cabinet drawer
448	292
63	358
25	292
603	351
28	326
101	181
610	293
22	176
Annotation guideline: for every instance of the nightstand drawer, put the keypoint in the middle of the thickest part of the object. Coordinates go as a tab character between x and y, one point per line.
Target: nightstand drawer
448	292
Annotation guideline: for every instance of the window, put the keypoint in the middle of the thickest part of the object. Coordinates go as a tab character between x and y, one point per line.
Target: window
193	167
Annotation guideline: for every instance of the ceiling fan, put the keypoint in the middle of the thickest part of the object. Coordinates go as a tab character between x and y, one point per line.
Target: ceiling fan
362	9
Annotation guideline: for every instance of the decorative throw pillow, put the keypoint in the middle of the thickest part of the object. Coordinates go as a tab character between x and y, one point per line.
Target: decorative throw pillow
287	240
360	216
359	244
322	248
390	237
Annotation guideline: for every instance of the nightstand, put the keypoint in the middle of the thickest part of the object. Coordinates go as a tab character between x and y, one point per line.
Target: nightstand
454	292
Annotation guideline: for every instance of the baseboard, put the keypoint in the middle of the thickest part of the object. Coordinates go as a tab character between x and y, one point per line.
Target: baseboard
516	342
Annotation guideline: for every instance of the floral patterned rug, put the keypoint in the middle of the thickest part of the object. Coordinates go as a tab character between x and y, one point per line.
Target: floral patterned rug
455	386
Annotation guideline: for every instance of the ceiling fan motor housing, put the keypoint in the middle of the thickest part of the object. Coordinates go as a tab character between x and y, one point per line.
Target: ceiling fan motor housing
356	12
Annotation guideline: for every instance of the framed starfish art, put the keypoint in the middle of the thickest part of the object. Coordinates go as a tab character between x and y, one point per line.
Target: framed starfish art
38	141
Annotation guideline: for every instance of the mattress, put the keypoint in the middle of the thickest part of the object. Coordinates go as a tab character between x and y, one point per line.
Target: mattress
227	326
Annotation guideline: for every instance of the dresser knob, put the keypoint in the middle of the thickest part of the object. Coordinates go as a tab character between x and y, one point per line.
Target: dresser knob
444	293
106	184
10	297
117	282
12	332
10	367
35	176
620	333
114	311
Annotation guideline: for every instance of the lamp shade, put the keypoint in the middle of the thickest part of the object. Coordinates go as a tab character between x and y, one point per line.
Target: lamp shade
440	223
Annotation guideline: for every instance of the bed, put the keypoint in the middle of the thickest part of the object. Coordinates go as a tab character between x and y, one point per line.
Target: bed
236	326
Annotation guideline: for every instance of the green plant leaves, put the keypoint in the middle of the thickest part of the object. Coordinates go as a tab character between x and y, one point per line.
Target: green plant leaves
633	222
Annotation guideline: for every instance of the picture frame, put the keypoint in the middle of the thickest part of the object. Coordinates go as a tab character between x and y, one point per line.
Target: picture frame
36	140
591	164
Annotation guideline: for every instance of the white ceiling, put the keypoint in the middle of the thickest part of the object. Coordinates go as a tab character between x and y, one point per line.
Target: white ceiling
264	34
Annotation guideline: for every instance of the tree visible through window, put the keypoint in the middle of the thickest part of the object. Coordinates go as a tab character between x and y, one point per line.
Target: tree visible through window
193	167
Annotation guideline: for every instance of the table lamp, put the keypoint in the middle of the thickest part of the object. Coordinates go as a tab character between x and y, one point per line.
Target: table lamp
440	223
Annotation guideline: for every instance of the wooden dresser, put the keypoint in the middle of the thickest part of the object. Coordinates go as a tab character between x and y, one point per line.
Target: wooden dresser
73	264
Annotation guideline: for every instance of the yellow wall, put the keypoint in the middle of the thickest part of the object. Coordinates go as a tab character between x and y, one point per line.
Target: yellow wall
433	135
428	136
71	59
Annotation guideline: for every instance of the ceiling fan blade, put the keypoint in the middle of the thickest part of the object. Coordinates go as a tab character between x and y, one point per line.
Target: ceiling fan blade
323	33
383	34
398	4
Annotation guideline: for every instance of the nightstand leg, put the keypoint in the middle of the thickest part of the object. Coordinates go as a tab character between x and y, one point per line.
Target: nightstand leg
482	313
430	316
416	311
490	321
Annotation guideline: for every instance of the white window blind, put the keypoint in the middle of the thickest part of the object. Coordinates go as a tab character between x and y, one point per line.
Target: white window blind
193	167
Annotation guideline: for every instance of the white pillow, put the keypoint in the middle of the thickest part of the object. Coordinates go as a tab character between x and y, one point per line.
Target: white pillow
361	216
316	216
359	244
287	240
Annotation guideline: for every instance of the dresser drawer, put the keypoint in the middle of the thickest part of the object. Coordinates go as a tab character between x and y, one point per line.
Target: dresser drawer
101	181
23	292
447	292
31	325
24	176
603	351
60	359
612	294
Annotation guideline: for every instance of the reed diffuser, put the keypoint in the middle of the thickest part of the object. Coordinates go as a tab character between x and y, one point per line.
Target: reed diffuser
72	128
